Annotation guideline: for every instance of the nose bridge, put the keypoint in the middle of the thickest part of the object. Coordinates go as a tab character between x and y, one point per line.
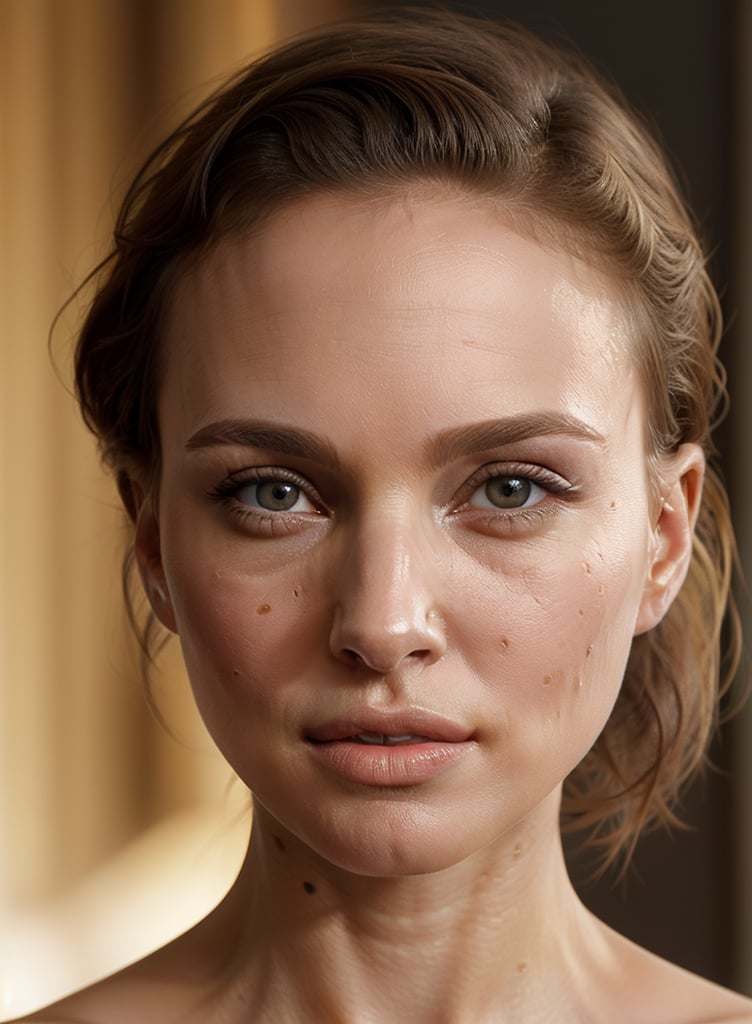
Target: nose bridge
387	606
387	570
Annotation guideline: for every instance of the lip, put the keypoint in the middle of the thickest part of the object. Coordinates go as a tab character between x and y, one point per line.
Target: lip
437	743
407	722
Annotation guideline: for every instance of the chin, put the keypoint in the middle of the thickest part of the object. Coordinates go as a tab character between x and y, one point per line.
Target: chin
396	862
390	839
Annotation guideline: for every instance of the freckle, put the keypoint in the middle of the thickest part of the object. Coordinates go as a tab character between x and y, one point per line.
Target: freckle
279	844
295	592
521	968
581	612
547	680
612	505
263	609
309	887
589	651
236	672
586	567
504	643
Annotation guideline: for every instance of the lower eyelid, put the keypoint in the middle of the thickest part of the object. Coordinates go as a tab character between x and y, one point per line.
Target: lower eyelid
264	524
508	523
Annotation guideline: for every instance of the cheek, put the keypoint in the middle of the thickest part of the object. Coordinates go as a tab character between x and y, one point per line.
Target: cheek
554	637
245	638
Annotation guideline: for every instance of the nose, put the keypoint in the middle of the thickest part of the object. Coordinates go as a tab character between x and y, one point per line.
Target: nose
386	611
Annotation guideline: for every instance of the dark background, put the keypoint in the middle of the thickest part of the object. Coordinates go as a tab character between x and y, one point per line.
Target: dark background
676	62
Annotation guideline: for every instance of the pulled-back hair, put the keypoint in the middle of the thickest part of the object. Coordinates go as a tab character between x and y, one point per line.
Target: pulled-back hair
383	103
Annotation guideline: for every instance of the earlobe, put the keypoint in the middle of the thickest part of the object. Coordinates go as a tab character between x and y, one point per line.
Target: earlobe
148	552
681	492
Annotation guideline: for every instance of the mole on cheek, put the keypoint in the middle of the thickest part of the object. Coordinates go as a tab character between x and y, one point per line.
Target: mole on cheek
263	609
504	643
279	844
309	887
547	680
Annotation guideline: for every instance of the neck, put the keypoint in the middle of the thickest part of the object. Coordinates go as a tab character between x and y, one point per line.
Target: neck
480	940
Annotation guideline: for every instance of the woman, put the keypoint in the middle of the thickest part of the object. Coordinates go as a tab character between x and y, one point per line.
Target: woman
404	361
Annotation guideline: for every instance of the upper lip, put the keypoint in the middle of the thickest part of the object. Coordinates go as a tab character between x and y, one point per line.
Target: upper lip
390	722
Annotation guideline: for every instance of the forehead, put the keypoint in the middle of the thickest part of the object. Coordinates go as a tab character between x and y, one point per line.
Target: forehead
355	294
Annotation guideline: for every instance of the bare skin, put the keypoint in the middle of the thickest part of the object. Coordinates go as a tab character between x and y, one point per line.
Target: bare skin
379	968
438	527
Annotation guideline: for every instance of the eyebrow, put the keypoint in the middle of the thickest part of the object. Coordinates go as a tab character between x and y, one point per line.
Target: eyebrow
447	446
478	437
260	434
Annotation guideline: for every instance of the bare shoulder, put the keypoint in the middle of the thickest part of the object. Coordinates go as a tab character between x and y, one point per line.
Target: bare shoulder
707	1002
114	1000
731	1008
654	989
719	1005
160	989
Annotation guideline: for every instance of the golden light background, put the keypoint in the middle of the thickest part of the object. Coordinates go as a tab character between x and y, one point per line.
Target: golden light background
114	836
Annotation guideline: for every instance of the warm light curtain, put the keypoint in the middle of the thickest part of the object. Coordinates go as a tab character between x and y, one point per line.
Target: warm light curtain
86	88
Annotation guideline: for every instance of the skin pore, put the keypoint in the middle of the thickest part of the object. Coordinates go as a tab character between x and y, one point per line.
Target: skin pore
404	494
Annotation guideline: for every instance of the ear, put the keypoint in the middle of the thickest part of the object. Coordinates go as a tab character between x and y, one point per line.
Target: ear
148	552
671	535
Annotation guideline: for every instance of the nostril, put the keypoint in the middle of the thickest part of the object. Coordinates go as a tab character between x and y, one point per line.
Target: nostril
357	660
364	637
381	666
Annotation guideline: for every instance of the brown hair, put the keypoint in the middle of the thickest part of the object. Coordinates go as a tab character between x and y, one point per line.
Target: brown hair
384	102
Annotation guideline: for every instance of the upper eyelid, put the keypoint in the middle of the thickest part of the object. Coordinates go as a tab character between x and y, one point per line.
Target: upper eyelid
540	475
237	479
259	474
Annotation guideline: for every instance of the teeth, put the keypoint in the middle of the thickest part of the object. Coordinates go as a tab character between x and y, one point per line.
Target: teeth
381	739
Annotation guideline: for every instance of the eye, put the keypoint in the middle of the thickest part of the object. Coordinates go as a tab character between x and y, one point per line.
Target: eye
274	495
507	492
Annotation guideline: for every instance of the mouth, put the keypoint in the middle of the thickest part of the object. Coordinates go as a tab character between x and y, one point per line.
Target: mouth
385	728
388	749
382	739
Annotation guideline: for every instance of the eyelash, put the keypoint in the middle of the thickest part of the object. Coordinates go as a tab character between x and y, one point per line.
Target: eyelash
501	518
280	522
272	522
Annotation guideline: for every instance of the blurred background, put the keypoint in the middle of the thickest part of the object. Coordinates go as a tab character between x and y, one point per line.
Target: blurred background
114	834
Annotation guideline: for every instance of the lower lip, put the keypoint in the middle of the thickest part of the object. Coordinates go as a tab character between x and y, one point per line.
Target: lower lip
404	764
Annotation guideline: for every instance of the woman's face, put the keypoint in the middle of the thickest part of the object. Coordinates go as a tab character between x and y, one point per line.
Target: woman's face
404	527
